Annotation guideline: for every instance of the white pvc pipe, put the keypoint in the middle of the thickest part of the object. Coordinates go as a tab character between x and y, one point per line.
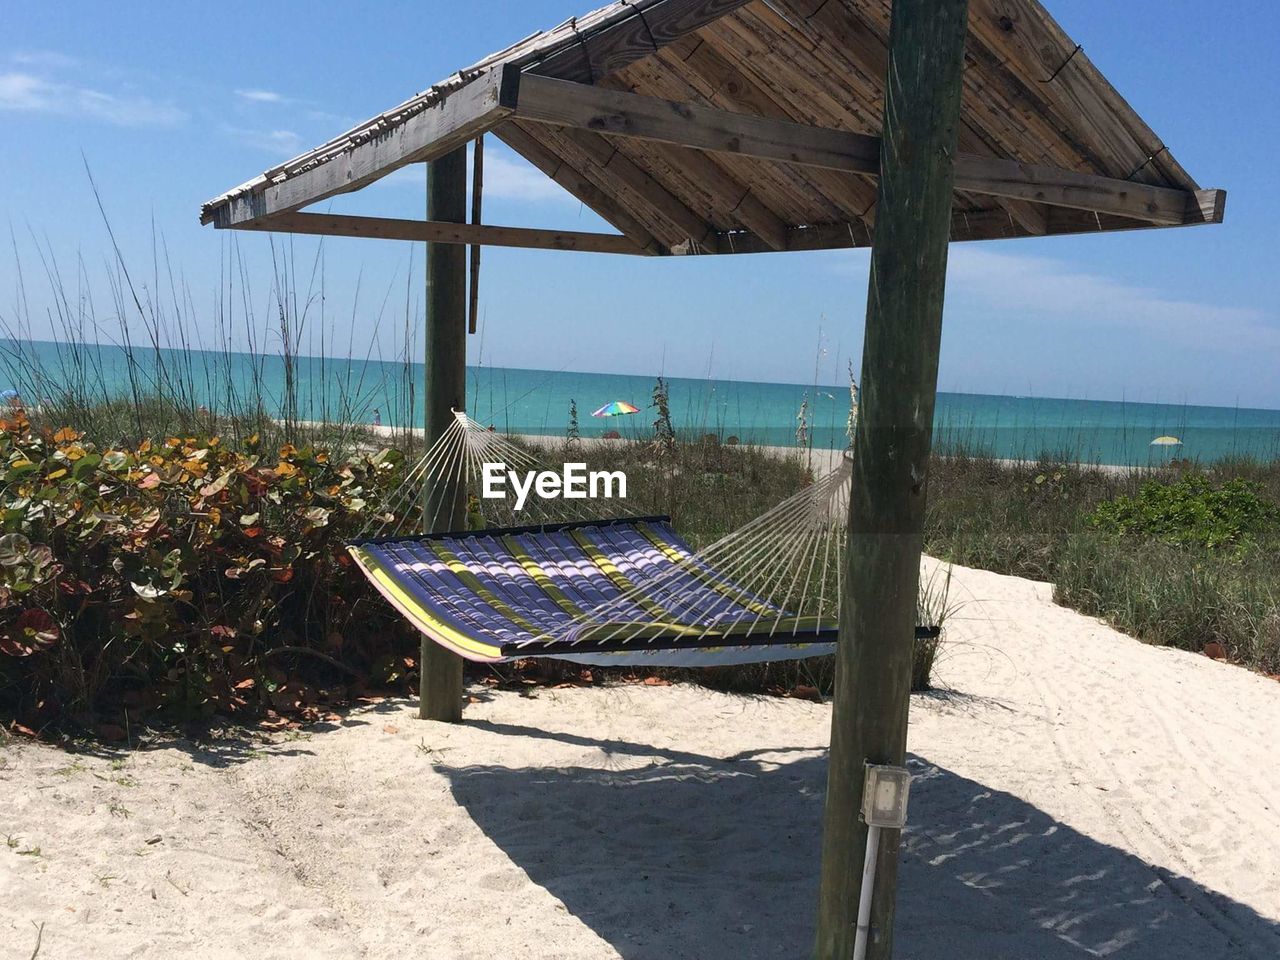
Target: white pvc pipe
864	900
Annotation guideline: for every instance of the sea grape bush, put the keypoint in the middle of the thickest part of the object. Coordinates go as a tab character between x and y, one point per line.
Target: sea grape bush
1193	512
168	577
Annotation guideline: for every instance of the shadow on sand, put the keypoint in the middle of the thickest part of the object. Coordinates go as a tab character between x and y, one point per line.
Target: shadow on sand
667	854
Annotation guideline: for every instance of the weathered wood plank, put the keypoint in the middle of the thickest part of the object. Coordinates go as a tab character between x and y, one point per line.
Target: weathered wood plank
725	86
736	198
1034	47
891	458
966	225
607	156
617	113
650	217
846	44
1081	191
714	178
435	131
795	194
620	114
445	390
477	219
443	232
578	185
650	26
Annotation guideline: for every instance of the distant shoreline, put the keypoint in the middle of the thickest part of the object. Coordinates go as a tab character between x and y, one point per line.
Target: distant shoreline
824	460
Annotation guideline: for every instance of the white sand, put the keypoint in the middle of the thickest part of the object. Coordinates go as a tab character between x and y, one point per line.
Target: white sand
1078	794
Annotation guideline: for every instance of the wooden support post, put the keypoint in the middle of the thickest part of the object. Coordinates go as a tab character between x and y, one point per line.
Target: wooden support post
444	503
477	199
891	456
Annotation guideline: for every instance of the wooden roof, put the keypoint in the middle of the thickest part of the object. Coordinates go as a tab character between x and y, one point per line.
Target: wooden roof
725	126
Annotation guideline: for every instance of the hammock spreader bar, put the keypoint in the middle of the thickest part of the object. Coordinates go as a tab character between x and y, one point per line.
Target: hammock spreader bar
505	594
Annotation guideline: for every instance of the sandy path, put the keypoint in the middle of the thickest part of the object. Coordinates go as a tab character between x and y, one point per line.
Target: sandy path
1078	794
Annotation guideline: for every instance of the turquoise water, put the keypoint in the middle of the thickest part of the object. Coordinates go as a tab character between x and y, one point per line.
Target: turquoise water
537	401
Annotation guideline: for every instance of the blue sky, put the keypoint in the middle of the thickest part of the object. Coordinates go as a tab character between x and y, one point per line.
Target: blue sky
170	104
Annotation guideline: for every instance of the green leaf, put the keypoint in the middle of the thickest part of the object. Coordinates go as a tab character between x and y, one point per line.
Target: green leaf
85	466
20	469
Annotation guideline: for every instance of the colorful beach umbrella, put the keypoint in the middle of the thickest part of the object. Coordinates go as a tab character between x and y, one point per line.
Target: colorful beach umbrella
615	409
1166	442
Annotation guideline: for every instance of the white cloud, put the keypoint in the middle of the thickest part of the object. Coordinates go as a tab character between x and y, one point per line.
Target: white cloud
1045	287
511	177
260	96
993	283
28	93
280	142
44	58
21	91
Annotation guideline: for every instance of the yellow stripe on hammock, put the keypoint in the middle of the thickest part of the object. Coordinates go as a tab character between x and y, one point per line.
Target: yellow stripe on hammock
541	577
420	616
460	570
684	561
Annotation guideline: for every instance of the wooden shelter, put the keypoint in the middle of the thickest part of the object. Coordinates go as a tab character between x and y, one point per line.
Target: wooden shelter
744	126
724	126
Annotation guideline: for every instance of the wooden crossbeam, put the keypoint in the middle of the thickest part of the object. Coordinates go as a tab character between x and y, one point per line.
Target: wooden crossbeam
965	225
620	114
462	115
1082	191
617	113
435	231
725	85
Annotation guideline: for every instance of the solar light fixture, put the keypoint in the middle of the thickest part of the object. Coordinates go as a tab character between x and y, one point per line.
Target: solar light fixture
884	796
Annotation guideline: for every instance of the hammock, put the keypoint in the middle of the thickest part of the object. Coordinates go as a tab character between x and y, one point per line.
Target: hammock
622	591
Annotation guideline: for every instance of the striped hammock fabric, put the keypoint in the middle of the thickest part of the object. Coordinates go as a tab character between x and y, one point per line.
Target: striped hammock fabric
601	592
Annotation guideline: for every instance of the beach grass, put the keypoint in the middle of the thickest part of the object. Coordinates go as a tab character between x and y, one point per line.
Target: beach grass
1177	581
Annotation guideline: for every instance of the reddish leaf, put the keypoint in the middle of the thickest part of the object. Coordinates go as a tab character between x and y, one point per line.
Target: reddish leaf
34	630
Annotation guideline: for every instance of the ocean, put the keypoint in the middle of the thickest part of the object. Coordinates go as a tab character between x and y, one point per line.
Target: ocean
538	402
